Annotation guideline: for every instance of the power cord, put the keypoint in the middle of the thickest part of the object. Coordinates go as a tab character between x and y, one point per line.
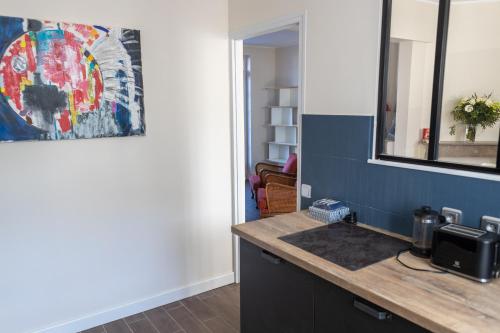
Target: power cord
417	269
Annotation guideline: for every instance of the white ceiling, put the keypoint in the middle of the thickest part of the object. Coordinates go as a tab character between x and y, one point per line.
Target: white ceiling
282	38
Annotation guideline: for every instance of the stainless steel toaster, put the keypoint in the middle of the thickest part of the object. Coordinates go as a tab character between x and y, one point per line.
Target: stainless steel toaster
468	252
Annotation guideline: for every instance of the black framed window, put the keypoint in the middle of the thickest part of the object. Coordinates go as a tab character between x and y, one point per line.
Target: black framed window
439	89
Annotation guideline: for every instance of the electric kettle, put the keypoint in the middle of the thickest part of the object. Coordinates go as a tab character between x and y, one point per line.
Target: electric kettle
424	221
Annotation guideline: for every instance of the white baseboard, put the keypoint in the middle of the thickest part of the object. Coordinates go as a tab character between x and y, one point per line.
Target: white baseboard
141	305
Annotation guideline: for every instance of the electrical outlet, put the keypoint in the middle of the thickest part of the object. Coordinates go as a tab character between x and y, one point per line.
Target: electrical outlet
491	224
452	215
305	191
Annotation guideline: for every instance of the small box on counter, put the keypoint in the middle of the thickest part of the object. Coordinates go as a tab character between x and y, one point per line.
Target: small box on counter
328	210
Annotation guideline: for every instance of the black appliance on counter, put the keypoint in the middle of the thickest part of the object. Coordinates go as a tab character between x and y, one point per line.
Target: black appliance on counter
468	252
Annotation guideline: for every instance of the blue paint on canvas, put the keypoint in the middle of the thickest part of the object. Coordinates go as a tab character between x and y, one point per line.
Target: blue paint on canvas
10	29
12	127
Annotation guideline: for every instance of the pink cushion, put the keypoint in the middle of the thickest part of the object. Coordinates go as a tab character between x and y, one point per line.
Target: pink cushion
254	182
291	164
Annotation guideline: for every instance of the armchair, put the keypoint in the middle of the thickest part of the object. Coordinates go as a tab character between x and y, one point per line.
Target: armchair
262	169
278	197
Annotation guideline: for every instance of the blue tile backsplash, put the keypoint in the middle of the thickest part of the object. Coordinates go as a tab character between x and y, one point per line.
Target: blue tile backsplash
335	150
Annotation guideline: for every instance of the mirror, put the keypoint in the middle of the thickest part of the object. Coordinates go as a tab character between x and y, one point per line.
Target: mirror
471	94
410	78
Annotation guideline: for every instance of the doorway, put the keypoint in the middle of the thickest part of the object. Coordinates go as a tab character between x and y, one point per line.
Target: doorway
267	102
271	71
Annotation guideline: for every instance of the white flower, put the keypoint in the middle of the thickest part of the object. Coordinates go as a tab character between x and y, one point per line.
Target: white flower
469	108
472	101
464	100
481	99
489	103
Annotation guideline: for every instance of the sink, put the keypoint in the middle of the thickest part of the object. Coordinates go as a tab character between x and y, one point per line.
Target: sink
347	245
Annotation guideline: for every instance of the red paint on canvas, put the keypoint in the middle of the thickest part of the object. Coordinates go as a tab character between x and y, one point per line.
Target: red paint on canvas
63	64
13	79
98	88
65	122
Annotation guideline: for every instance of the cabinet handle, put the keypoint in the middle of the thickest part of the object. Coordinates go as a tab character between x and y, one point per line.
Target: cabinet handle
369	310
497	253
270	257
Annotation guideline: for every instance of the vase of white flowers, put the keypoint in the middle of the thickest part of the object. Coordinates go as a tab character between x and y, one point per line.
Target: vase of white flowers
475	111
470	133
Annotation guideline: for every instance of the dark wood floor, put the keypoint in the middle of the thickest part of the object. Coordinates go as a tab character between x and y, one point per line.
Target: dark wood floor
216	311
251	211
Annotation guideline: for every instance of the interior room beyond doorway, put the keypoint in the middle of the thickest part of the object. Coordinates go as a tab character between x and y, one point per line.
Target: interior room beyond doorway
271	67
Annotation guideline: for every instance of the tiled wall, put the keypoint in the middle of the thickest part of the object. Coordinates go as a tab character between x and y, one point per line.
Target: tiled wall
335	150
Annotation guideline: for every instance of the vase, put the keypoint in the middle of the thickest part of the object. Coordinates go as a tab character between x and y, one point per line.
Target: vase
470	133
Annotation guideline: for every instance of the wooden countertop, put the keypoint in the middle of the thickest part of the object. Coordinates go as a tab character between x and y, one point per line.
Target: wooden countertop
441	303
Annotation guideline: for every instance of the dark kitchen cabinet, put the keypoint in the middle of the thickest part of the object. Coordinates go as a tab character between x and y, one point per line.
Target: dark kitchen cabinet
339	311
276	296
279	297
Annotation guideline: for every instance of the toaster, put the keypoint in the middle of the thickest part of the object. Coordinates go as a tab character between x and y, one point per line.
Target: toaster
468	252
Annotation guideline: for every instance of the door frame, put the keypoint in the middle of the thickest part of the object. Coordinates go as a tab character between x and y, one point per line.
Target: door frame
238	166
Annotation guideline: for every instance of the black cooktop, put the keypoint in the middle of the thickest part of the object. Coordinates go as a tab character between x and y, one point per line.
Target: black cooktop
347	245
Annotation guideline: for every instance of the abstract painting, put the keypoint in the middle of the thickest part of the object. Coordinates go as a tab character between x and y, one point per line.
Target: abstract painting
69	81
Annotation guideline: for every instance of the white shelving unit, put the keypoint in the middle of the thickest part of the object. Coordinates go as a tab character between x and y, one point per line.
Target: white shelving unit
283	120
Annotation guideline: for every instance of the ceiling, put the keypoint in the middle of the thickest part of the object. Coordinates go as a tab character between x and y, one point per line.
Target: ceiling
282	38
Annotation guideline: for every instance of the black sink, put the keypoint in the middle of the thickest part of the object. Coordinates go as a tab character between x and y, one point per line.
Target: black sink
347	245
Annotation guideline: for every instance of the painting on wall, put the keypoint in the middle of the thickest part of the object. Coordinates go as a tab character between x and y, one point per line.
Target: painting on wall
69	81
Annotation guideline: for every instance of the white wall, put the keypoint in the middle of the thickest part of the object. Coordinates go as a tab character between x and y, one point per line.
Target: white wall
414	20
414	28
263	72
413	98
94	224
287	66
341	53
472	60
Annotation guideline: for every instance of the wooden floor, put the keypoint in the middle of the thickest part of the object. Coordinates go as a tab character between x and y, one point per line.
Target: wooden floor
216	311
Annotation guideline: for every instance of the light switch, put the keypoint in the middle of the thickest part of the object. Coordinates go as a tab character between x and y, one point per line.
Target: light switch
305	191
